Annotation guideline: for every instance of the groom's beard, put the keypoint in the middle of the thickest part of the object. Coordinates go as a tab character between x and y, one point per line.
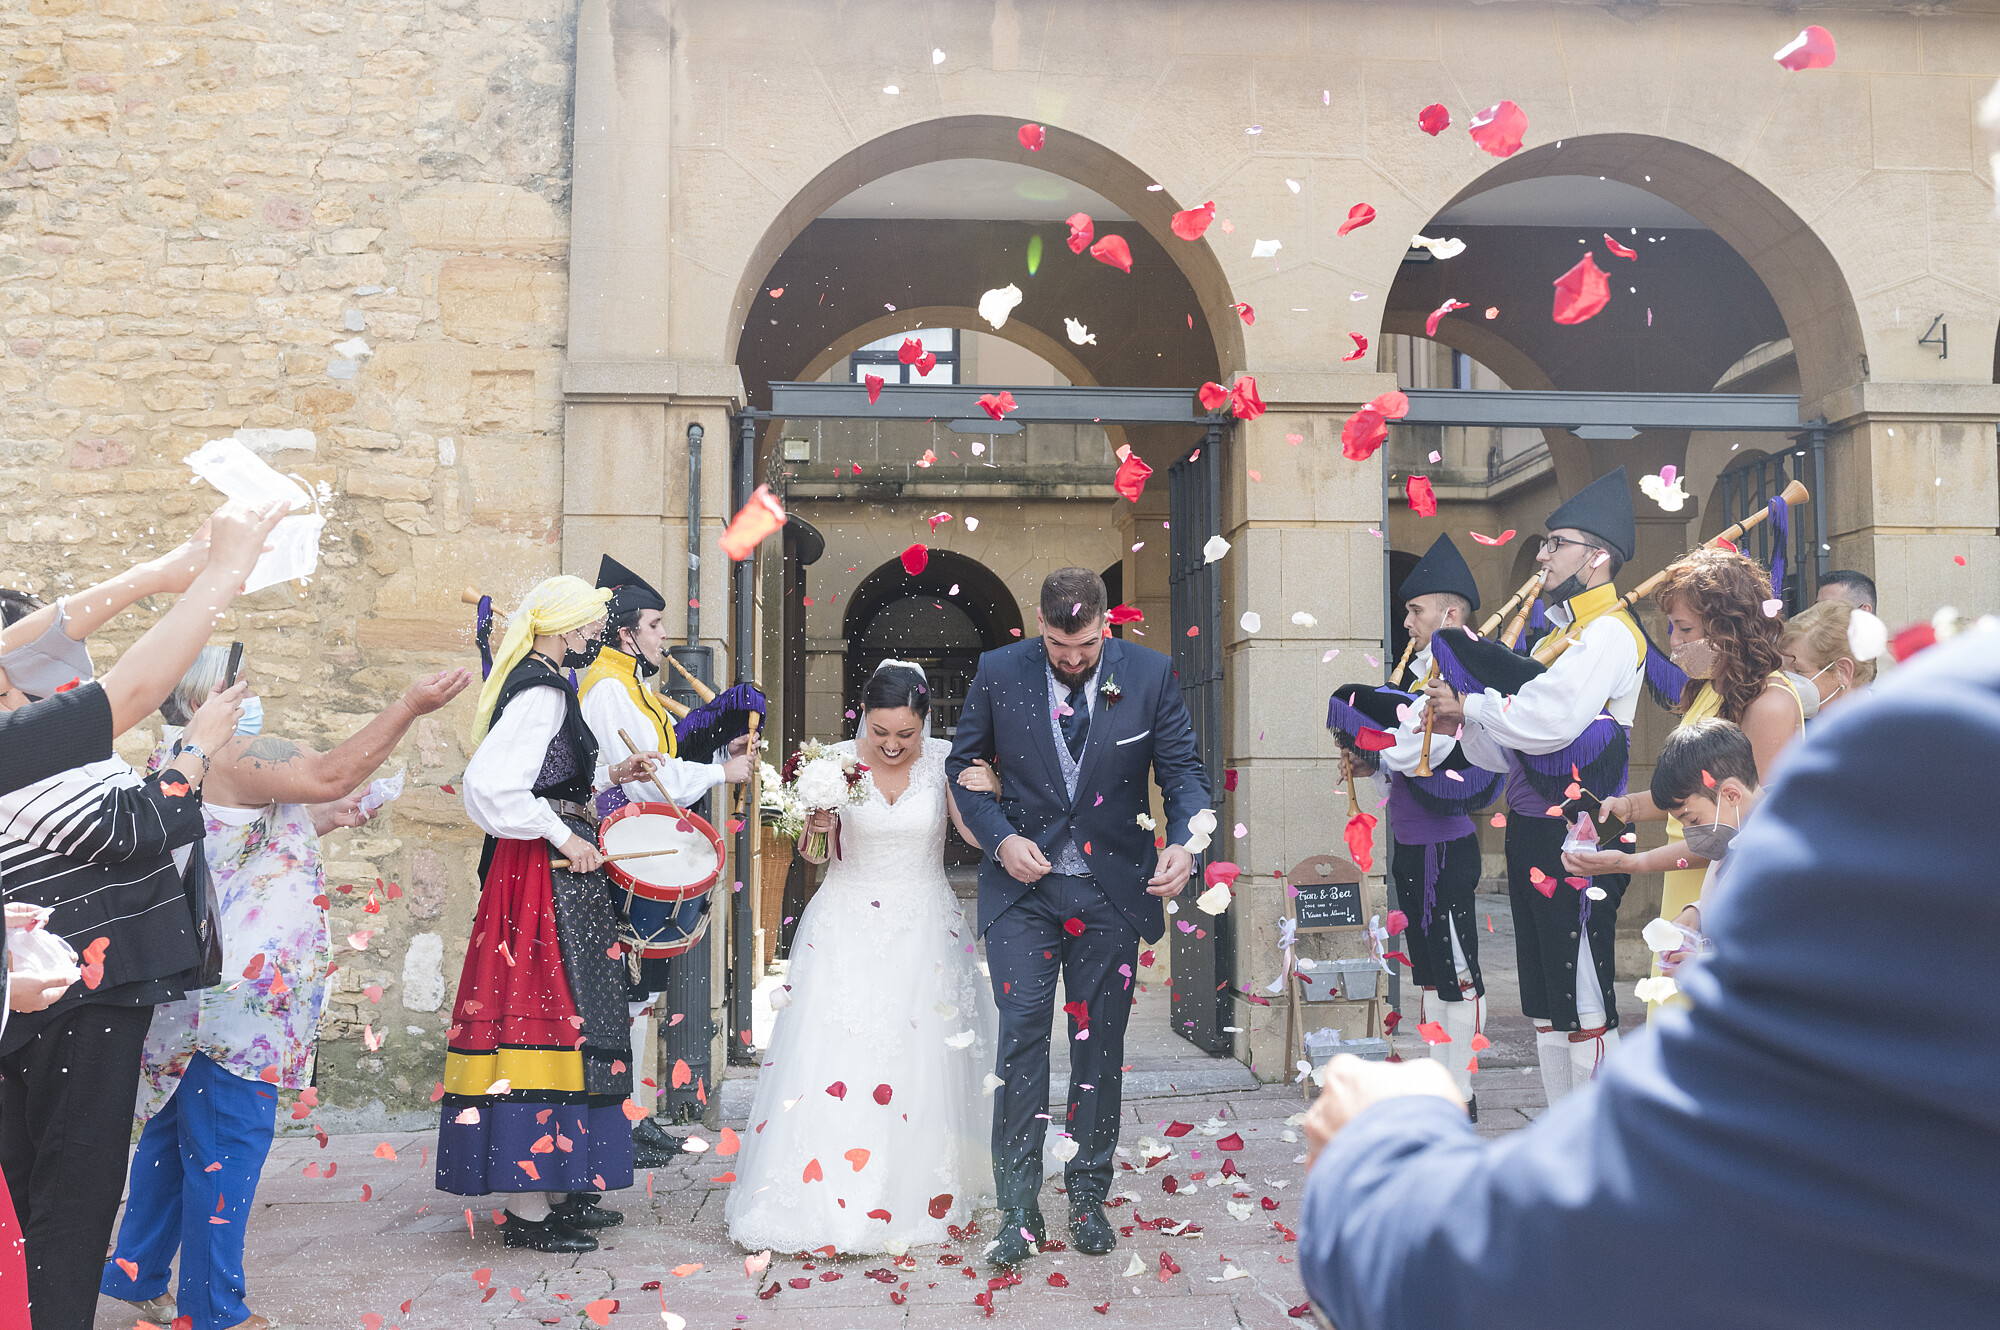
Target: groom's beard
1072	681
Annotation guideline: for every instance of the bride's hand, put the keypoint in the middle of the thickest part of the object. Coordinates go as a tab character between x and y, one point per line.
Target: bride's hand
979	778
822	822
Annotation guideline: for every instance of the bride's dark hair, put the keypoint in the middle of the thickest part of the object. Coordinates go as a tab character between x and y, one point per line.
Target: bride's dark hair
897	686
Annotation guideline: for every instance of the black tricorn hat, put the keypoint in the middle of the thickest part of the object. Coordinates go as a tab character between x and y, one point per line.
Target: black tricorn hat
630	592
1442	568
1604	509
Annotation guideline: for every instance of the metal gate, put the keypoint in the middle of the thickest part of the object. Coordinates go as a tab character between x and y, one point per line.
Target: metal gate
1750	485
1203	959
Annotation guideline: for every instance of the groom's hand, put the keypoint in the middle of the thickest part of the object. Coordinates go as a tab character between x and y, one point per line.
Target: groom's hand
1172	873
1023	859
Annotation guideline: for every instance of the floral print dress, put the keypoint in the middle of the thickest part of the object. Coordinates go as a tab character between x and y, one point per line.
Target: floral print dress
270	888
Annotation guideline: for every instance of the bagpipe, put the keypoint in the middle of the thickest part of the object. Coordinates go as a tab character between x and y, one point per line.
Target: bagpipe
1596	759
1363	718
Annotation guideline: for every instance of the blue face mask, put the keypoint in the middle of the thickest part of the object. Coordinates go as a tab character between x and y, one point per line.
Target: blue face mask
252	719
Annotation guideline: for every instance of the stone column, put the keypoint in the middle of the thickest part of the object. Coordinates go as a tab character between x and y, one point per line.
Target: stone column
1298	517
1913	486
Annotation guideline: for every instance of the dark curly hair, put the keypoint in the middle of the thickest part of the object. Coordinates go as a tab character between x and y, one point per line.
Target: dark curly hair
1726	591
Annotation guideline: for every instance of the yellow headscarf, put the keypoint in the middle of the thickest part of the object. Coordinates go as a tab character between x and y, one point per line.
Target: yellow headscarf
556	606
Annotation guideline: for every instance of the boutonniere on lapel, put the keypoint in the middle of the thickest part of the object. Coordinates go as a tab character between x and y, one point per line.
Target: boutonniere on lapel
1110	691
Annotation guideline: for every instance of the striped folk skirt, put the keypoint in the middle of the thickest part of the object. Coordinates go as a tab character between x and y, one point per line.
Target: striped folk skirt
535	1074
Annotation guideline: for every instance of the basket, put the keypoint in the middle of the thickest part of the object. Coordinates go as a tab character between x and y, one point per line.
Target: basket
775	865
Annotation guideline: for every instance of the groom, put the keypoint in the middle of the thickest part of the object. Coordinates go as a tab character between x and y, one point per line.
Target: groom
1070	880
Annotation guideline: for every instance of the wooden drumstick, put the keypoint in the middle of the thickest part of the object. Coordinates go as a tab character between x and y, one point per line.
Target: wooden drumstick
655	777
614	858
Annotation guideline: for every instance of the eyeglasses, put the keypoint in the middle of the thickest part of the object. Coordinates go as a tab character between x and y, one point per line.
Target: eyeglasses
1553	544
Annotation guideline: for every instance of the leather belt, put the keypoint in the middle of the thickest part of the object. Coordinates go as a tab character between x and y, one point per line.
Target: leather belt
564	808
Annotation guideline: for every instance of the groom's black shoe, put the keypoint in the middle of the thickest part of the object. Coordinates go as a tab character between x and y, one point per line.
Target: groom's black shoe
1012	1248
1089	1231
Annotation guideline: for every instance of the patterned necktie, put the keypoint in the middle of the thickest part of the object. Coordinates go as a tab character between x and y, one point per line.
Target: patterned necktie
1076	722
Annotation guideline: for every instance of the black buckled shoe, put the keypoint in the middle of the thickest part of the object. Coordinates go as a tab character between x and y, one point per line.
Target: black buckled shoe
584	1215
550	1235
653	1147
1089	1231
1013	1248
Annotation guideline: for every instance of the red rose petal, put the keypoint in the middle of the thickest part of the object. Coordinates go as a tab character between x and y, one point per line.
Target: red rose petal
1074	927
915	559
1431	322
1358	216
1243	311
1500	539
758	518
1582	291
1176	1130
1498	129
1423	500
1360	347
1393	405
1619	249
941	1206
1361	840
1131	478
1364	433
1434	119
874	382
1230	1142
1081	229
1811	49
1032	137
1114	251
1212	396
1191	224
1243	399
997	405
838	1089
882	1093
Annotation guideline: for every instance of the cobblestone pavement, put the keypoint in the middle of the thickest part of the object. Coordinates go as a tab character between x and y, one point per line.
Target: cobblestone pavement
375	1239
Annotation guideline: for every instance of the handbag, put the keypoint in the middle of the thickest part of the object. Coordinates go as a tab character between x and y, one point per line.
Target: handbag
206	912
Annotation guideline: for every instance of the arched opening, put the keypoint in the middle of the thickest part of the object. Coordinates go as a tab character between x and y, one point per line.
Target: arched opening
942	618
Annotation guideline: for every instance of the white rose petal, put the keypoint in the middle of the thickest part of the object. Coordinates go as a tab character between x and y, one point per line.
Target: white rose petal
674	1322
1214	549
1136	1268
1252	621
694	1145
1229	1272
992	1083
998	303
1242	1210
1656	989
1304	620
944	1009
1146	821
780	998
1867	635
1661	935
972	524
963	1039
1439	247
1215	900
1063	1149
1266	249
1079	334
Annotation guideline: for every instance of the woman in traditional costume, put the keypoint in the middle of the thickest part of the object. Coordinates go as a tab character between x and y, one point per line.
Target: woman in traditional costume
536	1072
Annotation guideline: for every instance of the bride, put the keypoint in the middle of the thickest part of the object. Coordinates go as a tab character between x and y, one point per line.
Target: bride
872	1125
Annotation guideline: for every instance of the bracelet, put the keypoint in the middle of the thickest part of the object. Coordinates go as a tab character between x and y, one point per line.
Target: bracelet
195	749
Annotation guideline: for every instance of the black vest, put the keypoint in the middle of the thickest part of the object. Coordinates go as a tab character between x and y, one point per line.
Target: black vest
571	760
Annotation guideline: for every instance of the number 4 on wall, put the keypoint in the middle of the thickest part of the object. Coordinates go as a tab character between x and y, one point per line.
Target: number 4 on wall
1937	336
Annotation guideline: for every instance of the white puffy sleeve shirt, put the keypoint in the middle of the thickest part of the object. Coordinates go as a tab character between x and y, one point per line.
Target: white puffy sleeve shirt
607	709
500	779
1603	671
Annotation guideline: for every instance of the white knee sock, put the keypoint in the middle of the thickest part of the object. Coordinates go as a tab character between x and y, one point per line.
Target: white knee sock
1552	1051
1458	1019
643	1058
1587	1058
532	1206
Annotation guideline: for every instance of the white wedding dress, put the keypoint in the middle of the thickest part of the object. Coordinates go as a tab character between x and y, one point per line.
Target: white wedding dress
872	1127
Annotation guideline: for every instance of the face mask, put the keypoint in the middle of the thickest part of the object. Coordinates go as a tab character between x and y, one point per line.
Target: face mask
1710	842
577	660
1695	659
251	721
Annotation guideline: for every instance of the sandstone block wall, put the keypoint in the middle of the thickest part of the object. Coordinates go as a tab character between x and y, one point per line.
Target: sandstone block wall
339	231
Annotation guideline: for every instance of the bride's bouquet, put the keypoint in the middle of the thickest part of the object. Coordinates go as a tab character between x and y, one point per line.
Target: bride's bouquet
778	804
824	781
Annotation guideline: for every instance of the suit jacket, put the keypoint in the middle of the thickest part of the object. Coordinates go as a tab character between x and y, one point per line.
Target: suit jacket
1006	716
1815	1142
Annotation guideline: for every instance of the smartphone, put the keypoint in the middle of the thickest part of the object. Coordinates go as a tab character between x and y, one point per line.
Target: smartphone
235	665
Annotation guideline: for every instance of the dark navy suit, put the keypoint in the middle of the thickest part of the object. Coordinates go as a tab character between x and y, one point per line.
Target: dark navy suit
1814	1144
1030	928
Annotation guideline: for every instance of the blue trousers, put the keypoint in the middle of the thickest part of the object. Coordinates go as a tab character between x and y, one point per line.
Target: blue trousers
213	1118
1027	946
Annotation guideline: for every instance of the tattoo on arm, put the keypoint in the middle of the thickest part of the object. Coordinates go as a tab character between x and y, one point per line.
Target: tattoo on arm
268	750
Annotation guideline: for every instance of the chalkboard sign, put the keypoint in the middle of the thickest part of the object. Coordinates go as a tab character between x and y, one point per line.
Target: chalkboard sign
1328	894
1329	905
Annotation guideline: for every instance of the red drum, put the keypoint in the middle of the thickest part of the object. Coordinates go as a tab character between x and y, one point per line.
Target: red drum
663	898
683	875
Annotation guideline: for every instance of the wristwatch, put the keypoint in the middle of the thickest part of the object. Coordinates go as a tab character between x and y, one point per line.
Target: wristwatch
195	749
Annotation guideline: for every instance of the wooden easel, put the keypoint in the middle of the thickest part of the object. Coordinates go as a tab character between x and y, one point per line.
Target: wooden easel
1336	899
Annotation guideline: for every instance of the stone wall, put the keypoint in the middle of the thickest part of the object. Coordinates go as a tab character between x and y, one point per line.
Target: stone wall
341	226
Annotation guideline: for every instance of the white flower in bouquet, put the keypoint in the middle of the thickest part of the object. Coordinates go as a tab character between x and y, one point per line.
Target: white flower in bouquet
826	780
822	786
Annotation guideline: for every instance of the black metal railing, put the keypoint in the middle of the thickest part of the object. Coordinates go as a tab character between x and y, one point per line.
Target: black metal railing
1203	960
1750	485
